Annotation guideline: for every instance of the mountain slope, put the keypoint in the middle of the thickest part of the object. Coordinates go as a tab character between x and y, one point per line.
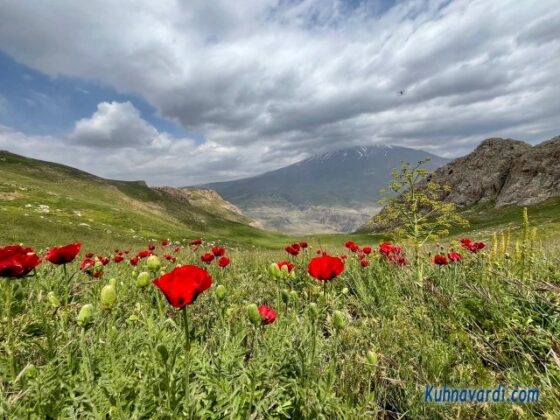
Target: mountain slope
41	201
503	172
332	192
490	184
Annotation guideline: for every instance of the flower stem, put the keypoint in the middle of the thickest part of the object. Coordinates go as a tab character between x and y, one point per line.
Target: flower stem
188	353
187	333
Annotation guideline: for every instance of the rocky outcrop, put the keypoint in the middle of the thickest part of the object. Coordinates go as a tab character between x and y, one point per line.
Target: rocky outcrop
480	176
209	201
534	176
503	172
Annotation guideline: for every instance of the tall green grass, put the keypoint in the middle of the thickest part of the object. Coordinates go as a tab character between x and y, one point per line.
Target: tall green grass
474	324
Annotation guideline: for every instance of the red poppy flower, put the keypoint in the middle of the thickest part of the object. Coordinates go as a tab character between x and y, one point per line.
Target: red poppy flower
126	252
343	256
90	255
454	256
118	258
268	315
170	258
361	256
287	264
151	247
134	261
224	261
218	251
17	261
325	268
318	252
303	244
207	258
182	286
387	248
195	242
397	259
164	243
364	263
87	264
366	250
291	250
440	260
296	246
177	250
349	244
64	254
103	260
144	254
474	247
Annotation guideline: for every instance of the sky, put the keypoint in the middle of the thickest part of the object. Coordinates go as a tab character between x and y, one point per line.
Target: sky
182	93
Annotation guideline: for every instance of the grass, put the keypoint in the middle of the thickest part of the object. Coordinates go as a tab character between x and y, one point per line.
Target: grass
475	324
492	319
94	210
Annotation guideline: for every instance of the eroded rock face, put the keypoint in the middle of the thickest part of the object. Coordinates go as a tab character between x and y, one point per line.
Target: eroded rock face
480	176
534	176
504	172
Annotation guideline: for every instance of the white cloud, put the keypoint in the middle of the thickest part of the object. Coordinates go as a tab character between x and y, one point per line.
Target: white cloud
115	142
113	125
268	81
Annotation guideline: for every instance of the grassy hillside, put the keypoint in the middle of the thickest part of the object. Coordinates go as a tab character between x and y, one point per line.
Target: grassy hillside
485	219
44	203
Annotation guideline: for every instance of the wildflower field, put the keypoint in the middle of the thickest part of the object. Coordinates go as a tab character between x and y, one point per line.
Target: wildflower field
191	329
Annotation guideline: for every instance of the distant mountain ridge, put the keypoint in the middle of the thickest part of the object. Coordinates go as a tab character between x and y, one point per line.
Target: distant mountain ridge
335	191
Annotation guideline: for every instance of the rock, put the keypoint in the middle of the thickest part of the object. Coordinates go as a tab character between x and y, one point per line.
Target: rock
534	176
480	176
503	172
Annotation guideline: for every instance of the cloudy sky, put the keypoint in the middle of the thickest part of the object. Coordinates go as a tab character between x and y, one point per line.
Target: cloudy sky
185	92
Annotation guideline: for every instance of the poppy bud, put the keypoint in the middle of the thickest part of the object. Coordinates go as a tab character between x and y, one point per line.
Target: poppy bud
339	320
313	310
285	296
294	295
108	297
162	350
134	273
113	282
275	270
86	314
371	357
253	314
221	292
53	300
345	291
153	263
143	279
284	271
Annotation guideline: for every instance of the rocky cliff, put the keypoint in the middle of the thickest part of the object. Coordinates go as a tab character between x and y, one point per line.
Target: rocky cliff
534	176
504	172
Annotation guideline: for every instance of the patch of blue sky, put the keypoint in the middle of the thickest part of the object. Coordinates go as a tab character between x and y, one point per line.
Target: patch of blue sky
35	103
